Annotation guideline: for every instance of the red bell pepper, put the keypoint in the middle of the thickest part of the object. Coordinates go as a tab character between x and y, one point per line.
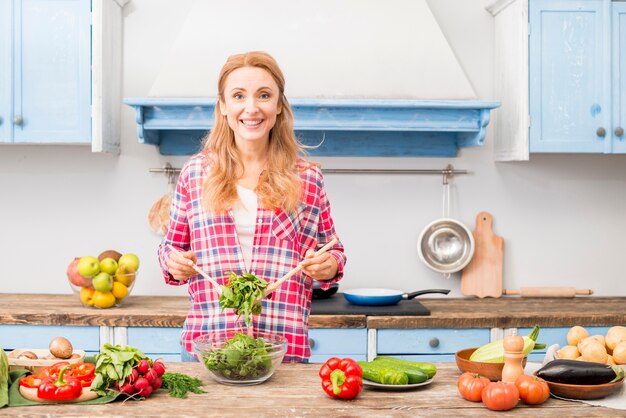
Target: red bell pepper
30	381
341	378
64	388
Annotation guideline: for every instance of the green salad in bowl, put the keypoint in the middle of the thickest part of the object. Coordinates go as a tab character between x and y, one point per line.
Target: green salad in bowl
239	359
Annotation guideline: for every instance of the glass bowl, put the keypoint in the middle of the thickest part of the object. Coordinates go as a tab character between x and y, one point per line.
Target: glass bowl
122	286
233	358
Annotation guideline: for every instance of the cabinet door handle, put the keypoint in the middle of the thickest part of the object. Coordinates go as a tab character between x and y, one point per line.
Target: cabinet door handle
601	132
434	342
311	343
18	120
619	131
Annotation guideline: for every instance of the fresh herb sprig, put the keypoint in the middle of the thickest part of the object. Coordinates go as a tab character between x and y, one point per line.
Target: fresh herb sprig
179	384
243	294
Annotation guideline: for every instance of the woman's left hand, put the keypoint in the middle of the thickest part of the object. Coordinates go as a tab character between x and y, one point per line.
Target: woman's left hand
321	267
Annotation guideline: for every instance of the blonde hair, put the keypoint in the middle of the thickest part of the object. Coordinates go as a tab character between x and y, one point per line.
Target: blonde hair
280	186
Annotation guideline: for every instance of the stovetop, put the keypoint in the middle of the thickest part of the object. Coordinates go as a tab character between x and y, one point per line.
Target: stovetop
338	305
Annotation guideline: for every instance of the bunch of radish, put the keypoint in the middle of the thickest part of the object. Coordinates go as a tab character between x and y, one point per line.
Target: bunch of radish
143	379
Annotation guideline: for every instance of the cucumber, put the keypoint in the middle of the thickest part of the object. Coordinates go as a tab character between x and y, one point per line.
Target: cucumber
428	368
384	375
577	372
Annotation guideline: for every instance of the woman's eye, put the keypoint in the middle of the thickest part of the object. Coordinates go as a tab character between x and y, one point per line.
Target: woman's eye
264	96
238	96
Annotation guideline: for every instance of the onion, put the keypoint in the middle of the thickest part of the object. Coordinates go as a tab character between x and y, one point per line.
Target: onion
61	348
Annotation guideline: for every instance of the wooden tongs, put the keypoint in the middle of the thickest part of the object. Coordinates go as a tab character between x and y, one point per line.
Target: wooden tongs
200	271
296	269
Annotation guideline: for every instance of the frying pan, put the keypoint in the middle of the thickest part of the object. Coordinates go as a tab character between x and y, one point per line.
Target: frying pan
382	297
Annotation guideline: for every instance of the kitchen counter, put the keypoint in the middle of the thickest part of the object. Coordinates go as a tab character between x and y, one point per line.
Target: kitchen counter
170	311
295	390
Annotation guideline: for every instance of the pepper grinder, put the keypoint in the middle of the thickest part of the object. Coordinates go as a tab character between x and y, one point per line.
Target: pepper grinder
513	355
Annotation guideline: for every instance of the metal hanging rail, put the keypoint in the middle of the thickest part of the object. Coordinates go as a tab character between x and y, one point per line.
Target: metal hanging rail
447	172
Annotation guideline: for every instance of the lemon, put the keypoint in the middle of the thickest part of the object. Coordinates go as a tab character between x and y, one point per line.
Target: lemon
119	290
86	295
103	299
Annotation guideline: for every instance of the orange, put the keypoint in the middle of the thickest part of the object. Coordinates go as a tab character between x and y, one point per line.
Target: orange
103	299
119	290
86	295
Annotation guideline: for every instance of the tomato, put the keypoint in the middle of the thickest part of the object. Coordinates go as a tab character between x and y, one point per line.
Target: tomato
500	396
471	386
533	390
30	381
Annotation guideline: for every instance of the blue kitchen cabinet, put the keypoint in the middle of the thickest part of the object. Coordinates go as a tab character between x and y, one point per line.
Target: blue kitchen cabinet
432	345
85	338
60	72
558	336
561	77
156	343
331	342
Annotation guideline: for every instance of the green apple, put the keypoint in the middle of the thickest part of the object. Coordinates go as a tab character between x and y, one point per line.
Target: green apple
130	262
103	282
88	266
108	265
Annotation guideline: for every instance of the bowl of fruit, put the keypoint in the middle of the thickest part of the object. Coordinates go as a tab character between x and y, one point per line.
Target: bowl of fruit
103	281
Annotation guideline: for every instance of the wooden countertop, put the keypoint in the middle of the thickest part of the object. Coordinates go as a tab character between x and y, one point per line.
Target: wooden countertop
295	391
170	311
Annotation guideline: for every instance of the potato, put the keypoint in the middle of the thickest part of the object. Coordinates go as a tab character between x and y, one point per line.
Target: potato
619	353
61	347
614	336
576	334
569	352
594	351
27	355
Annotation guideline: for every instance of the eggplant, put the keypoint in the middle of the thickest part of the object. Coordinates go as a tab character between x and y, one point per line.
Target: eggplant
577	372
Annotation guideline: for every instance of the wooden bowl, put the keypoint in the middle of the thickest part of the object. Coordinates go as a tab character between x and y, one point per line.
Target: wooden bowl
564	390
492	371
45	359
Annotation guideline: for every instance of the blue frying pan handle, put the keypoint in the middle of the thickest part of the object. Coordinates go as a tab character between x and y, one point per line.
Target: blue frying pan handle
424	292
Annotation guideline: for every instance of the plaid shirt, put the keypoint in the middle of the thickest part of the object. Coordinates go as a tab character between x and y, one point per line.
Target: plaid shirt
280	242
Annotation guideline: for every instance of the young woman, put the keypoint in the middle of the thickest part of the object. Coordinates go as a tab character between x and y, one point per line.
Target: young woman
250	202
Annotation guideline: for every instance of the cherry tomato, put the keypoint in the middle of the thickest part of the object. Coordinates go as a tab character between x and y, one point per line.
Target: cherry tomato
533	390
500	396
471	386
30	381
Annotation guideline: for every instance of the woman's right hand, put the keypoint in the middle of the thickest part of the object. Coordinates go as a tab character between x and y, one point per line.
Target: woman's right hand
181	268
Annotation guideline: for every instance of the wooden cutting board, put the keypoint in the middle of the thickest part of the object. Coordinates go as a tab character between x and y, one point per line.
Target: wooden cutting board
483	275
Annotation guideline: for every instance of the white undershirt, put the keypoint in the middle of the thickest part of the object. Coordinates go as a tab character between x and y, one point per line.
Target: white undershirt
244	214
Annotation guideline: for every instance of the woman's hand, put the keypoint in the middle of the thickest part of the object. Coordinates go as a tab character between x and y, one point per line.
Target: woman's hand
322	267
181	267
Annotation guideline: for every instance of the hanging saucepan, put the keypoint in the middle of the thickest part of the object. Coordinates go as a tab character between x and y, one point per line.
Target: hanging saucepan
446	246
382	297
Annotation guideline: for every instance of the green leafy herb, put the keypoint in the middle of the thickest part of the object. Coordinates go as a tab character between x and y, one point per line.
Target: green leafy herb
244	295
4	378
179	384
242	358
114	364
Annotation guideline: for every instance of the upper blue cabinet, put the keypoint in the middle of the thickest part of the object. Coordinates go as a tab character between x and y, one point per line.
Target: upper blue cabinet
335	127
59	73
561	71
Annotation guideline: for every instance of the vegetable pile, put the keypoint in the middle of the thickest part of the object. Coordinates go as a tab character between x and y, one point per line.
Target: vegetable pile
607	349
242	358
61	381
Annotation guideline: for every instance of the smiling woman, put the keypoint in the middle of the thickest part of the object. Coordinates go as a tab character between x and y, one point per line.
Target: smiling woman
250	204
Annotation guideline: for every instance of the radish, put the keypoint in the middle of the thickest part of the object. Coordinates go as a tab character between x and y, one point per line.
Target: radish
158	367
134	374
141	383
127	388
143	366
151	375
145	391
156	383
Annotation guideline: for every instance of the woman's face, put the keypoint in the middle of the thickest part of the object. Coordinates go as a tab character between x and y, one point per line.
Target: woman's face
250	104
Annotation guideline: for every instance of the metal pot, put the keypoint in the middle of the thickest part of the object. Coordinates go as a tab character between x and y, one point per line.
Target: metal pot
446	245
382	297
318	293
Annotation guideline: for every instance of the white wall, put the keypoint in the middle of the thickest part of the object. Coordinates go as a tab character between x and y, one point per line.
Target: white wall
561	216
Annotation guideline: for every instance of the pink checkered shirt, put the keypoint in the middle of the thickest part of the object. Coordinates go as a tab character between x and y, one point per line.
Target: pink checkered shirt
280	242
